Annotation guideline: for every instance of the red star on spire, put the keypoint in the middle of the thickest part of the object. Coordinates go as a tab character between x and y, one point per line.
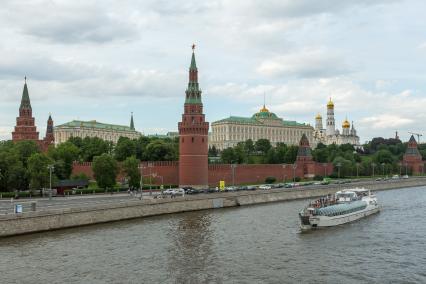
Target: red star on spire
193	46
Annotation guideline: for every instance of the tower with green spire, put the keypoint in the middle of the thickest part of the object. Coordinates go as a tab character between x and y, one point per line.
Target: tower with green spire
132	124
193	135
25	128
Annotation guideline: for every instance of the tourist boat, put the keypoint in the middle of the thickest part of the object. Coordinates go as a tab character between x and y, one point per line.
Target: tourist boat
345	206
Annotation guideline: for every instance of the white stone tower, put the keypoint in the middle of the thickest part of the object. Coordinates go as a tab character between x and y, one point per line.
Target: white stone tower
345	127
331	124
318	122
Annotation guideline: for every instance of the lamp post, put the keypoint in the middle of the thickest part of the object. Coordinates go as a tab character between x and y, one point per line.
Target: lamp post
294	172
383	168
233	166
150	178
50	168
406	169
338	165
325	169
357	170
284	175
141	181
373	165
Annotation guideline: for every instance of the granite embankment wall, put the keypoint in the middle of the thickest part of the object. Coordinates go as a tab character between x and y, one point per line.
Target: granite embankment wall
71	217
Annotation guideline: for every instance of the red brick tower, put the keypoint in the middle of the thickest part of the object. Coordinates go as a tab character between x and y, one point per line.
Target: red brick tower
49	139
25	128
304	158
193	135
412	157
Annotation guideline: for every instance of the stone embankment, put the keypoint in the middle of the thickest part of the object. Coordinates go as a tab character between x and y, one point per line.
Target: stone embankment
45	220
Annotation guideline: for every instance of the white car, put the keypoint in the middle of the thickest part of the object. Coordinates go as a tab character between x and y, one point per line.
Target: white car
180	191
169	191
405	176
265	187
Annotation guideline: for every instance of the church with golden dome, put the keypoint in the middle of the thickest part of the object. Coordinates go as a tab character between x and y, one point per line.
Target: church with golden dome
264	124
331	135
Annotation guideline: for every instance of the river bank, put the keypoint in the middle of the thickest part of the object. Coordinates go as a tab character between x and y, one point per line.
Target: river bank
30	222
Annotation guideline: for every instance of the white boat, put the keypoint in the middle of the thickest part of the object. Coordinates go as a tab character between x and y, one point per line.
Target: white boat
345	206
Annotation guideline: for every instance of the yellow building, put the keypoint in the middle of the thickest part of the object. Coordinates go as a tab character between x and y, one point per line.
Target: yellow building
264	124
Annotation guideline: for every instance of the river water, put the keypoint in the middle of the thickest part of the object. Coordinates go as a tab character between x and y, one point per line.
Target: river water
255	244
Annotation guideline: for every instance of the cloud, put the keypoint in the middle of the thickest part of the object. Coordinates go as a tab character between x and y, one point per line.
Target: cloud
307	63
69	22
384	121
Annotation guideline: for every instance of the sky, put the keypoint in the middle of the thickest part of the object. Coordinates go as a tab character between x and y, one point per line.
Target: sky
102	60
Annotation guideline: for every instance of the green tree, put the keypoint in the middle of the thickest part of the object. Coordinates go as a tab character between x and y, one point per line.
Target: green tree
12	171
160	150
249	146
26	149
228	156
271	156
64	155
38	170
291	154
320	155
125	148
131	170
383	156
105	170
213	151
94	147
263	146
345	166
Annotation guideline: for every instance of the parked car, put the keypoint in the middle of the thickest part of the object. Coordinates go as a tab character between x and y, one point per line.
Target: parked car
395	177
169	191
405	176
265	187
251	187
180	191
230	188
192	191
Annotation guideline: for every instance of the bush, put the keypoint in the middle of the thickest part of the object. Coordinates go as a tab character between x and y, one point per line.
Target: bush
317	177
270	180
297	179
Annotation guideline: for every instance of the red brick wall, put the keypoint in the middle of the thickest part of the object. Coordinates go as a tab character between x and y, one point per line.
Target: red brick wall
243	174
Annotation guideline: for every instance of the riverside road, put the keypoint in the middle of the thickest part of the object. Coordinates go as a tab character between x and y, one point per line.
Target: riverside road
84	201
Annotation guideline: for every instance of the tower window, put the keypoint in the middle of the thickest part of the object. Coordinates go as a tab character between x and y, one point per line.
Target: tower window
192	139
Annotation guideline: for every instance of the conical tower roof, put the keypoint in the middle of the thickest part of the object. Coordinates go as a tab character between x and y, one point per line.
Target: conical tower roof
132	124
25	101
193	92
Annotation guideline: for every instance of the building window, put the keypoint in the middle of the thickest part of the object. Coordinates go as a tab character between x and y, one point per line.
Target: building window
192	139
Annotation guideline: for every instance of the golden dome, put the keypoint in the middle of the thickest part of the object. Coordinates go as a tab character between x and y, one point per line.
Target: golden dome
318	116
330	104
264	109
346	124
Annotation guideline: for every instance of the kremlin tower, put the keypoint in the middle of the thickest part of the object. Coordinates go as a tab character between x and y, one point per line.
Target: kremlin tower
193	135
412	157
25	129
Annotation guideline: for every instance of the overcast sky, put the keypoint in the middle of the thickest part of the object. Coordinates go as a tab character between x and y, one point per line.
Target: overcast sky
105	59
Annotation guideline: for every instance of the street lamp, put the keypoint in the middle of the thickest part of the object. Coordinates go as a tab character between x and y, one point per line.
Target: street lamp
294	172
140	167
338	165
284	175
373	165
357	170
325	165
51	168
233	166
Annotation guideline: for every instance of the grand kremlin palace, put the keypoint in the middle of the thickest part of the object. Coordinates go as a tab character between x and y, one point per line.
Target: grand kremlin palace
262	125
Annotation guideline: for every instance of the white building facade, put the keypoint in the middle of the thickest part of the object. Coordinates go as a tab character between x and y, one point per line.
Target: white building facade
230	131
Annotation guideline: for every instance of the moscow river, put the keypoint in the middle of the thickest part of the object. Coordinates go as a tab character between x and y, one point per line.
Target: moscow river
255	244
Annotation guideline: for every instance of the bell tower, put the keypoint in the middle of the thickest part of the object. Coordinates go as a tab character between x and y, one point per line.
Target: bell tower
193	135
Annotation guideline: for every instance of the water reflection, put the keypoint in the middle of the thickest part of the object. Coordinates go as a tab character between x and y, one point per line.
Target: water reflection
190	252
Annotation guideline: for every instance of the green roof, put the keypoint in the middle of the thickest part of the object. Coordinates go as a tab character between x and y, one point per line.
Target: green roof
95	124
25	101
193	64
258	119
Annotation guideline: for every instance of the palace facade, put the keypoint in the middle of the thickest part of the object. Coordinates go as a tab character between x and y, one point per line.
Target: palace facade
93	128
25	129
331	135
264	124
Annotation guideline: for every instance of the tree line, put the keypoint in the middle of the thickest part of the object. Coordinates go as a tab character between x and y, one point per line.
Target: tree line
23	166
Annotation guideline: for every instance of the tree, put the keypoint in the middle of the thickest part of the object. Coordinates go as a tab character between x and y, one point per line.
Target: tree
228	156
320	155
344	166
383	156
38	172
94	147
105	170
291	154
212	151
12	171
26	149
271	156
140	147
125	148
263	146
249	146
64	155
159	150
131	170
